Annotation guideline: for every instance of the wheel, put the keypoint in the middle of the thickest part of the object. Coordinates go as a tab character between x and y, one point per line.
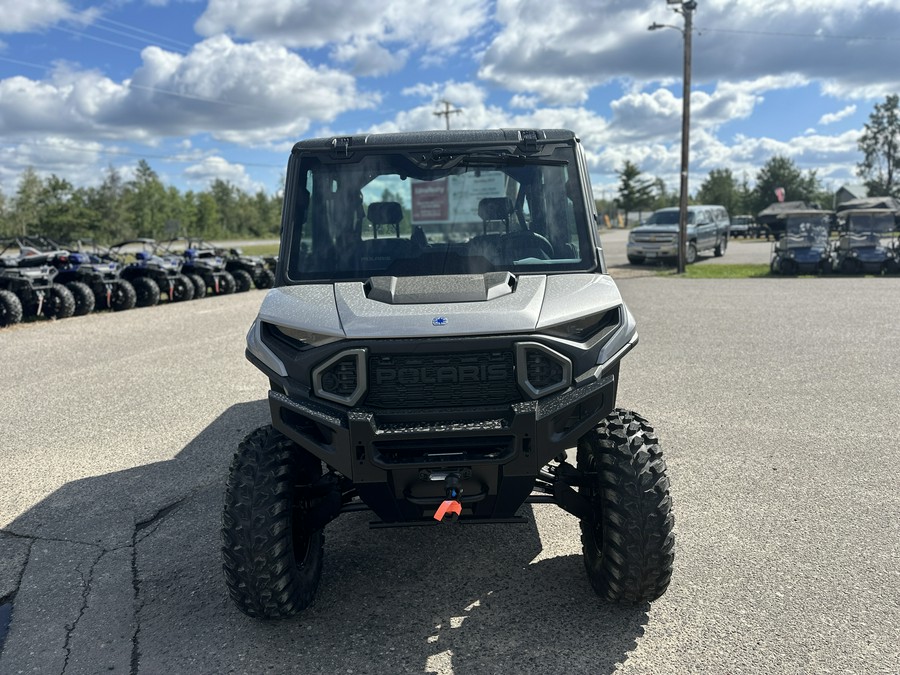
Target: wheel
10	309
123	296
226	284
84	297
58	302
636	260
789	267
628	542
146	291
850	266
719	251
271	560
242	281
265	279
690	256
199	286
182	289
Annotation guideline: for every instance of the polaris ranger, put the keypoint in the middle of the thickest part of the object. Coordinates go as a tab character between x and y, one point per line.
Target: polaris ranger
442	344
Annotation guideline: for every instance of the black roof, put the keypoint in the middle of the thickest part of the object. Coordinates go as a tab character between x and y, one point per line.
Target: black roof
432	139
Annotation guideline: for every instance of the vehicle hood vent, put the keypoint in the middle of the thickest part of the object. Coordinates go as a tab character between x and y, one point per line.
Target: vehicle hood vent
439	289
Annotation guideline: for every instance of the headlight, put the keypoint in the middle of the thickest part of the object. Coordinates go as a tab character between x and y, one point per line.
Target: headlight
586	328
301	338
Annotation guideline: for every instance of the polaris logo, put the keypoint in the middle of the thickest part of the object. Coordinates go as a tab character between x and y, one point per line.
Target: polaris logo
496	372
439	321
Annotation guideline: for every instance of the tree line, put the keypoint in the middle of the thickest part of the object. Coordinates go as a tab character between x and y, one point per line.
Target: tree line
879	171
118	209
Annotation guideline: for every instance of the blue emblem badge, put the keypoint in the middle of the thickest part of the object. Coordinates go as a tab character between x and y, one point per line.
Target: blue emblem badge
439	321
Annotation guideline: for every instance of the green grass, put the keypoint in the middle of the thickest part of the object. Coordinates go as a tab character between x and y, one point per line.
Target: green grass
260	249
747	271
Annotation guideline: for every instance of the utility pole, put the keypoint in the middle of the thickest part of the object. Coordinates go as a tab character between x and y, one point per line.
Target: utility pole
686	9
447	111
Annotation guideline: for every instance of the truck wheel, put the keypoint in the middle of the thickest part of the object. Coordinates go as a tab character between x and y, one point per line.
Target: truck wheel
123	296
58	303
10	309
242	281
182	289
84	297
271	559
690	256
146	291
199	286
265	279
628	541
719	251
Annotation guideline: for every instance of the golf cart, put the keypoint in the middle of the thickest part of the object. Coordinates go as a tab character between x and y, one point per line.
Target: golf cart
803	247
860	248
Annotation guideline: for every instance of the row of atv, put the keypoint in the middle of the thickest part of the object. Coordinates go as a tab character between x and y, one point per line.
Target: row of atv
41	277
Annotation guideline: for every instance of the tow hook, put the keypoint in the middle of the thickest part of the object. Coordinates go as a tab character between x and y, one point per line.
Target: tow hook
450	509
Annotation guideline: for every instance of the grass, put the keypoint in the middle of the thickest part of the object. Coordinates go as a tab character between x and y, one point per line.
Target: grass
260	249
743	271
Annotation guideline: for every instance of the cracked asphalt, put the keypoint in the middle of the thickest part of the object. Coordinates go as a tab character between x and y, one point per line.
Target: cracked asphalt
775	401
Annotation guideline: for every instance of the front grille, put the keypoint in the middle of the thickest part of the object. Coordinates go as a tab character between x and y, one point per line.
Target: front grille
438	380
654	238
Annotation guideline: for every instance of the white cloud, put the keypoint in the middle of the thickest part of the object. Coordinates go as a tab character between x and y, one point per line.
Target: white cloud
353	28
17	16
831	118
200	175
217	88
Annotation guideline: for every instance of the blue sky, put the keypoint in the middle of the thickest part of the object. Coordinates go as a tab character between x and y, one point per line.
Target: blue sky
207	89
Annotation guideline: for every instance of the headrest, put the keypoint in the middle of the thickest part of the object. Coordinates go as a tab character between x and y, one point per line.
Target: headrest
495	208
384	213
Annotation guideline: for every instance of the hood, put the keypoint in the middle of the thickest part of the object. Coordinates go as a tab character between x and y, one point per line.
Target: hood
652	229
345	309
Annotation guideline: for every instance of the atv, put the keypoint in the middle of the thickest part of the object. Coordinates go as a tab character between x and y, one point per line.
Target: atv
248	270
151	275
93	283
442	345
860	249
804	246
28	288
203	266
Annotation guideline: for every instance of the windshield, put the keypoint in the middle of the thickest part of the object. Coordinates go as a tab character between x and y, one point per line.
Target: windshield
806	230
667	218
867	223
385	215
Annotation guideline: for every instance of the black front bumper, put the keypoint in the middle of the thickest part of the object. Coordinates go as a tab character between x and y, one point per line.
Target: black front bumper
397	460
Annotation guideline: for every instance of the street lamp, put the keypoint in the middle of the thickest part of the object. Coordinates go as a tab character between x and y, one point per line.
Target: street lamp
686	9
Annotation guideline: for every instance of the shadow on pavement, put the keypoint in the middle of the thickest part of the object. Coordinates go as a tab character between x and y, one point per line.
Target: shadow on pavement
446	599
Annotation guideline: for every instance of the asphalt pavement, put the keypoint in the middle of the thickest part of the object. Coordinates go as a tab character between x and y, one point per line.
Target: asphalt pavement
775	401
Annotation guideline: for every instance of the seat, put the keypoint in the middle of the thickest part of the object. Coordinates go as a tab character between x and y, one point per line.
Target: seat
384	213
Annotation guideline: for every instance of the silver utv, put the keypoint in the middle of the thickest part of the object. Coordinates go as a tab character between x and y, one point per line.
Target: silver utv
442	339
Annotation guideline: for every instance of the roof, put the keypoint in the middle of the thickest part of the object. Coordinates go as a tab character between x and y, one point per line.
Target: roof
871	203
435	139
775	209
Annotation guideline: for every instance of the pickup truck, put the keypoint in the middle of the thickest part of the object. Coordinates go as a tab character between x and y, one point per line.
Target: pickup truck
708	229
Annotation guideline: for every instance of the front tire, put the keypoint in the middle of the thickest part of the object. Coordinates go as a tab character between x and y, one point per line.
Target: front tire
271	558
59	303
690	256
265	279
146	291
719	250
628	541
123	296
182	289
199	286
636	260
226	284
84	297
243	282
10	308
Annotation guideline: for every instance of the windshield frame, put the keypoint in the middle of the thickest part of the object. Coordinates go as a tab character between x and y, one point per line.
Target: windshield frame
306	167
